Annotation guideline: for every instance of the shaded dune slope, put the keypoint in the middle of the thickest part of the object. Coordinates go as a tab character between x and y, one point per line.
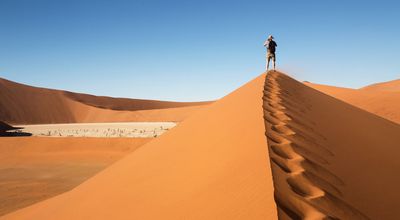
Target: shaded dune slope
329	160
213	165
22	104
382	99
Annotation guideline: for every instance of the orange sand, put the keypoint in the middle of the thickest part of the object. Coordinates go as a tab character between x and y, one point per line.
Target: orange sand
329	159
273	148
382	99
34	169
213	165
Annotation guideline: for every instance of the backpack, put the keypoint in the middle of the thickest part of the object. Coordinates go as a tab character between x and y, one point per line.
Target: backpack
271	46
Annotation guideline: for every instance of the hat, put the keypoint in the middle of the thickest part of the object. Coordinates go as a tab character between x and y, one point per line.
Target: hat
270	37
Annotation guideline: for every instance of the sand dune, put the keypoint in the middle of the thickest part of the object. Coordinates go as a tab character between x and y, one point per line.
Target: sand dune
382	99
390	86
34	169
329	159
22	104
213	165
127	104
274	148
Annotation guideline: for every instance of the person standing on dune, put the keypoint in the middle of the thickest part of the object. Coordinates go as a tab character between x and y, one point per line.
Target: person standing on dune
271	45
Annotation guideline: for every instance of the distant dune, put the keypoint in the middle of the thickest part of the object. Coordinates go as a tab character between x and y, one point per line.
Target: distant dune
390	86
382	99
22	104
124	104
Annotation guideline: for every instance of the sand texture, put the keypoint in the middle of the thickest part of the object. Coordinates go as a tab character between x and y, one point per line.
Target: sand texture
329	160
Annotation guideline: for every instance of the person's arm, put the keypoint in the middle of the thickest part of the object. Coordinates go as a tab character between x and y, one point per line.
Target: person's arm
266	43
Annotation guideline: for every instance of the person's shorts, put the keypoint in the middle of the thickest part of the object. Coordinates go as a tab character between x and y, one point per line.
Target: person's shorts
271	56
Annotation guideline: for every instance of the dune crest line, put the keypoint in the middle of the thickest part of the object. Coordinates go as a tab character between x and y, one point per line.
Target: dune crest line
304	187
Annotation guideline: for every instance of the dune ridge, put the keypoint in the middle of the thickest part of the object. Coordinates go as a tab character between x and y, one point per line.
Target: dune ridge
310	190
125	104
23	104
329	160
390	86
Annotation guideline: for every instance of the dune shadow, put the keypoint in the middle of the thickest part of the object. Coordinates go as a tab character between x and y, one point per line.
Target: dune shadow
7	130
16	133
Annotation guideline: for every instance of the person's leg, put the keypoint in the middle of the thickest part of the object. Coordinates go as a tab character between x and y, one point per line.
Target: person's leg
268	59
274	59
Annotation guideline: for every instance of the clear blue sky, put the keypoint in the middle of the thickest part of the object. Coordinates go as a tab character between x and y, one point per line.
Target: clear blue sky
194	50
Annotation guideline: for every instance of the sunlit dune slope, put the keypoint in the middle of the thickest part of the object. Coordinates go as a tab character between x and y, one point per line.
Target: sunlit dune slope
390	86
329	159
382	99
213	165
22	104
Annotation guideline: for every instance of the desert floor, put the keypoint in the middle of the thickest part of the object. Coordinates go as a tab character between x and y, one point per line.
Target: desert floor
33	169
120	129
